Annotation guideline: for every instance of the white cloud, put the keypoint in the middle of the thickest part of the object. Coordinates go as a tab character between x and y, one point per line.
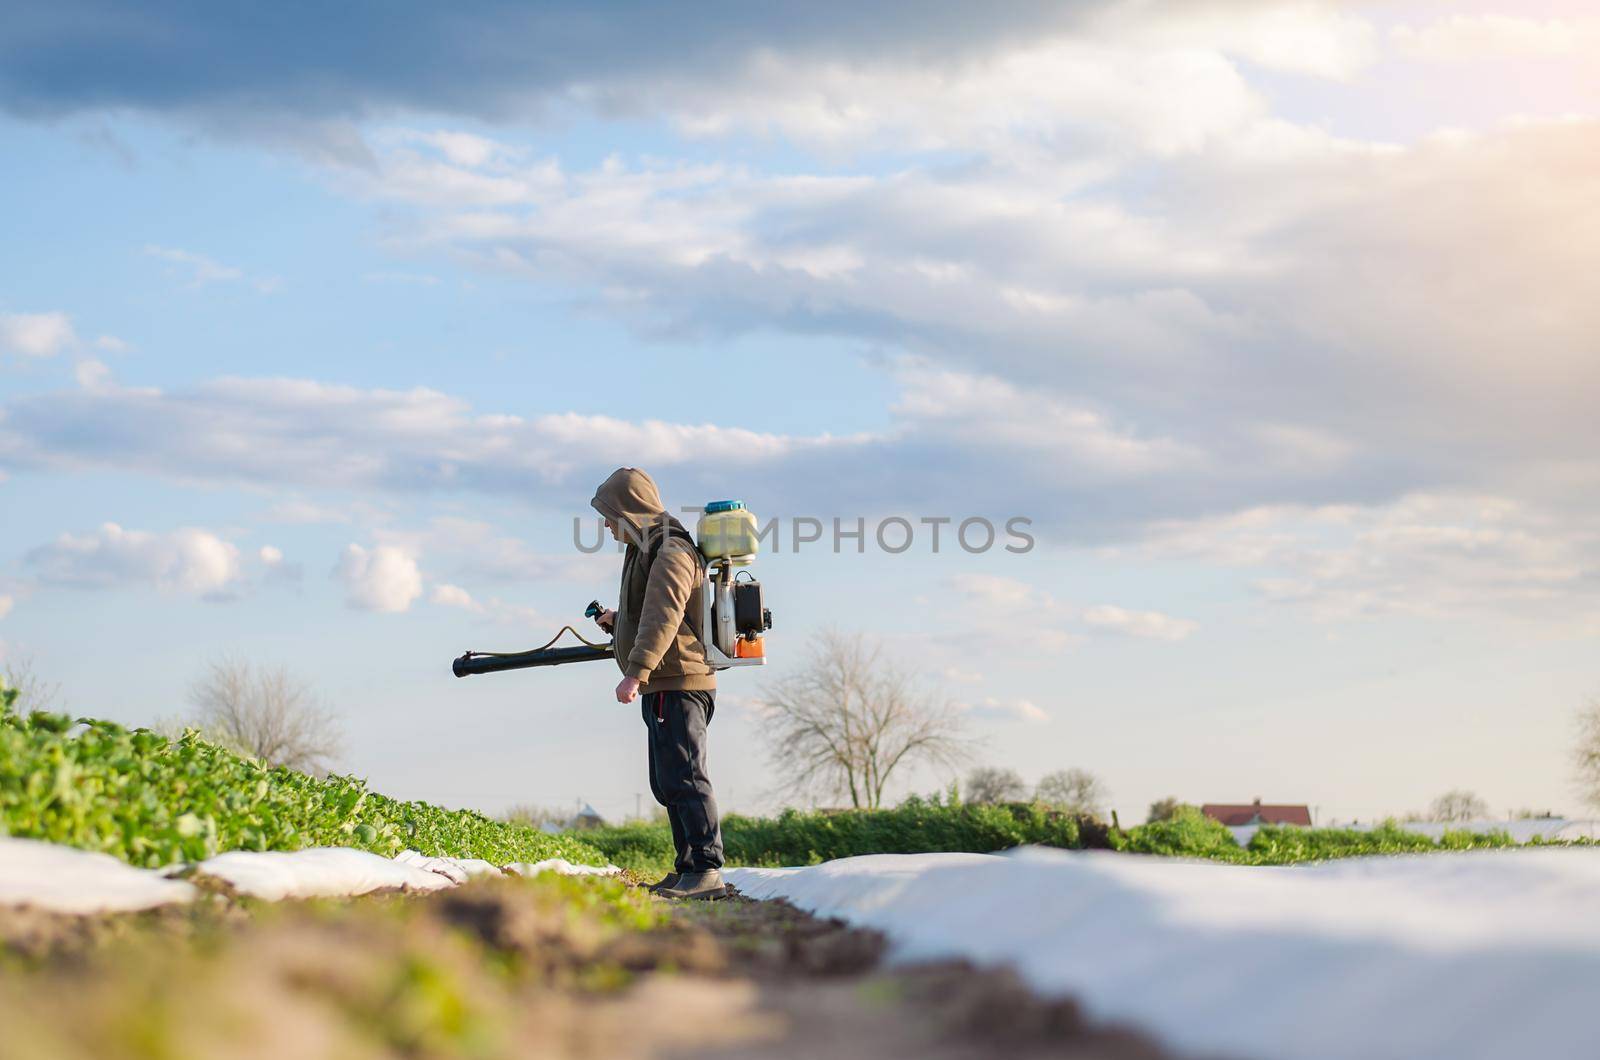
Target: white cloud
91	374
383	578
7	602
187	560
1011	710
1003	597
480	551
514	70
452	596
1470	38
997	591
1116	78
1108	95
111	344
461	148
1441	555
277	569
410	278
36	334
987	410
1272	282
494	610
1123	288
1311	38
202	270
1148	624
299	511
310	435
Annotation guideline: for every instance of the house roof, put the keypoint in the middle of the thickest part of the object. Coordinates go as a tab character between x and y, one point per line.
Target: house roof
1257	812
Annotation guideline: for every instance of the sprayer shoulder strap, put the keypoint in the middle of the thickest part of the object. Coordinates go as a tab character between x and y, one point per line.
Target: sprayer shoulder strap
672	530
636	583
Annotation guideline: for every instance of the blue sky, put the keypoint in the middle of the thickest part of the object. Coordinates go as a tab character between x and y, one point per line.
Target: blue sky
1273	319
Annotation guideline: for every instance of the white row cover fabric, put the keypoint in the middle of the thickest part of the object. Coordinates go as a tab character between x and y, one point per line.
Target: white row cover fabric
323	872
456	870
62	879
561	867
1466	956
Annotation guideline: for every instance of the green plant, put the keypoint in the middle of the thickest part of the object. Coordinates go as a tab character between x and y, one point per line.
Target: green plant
153	801
1284	845
1186	833
805	838
924	825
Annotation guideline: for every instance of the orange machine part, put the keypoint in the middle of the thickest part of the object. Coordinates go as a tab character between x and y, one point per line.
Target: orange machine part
749	649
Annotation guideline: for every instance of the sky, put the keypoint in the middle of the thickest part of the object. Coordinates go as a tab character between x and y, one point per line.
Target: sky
1273	323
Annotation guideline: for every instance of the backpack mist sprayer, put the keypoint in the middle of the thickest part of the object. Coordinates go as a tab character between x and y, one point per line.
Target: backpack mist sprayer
733	614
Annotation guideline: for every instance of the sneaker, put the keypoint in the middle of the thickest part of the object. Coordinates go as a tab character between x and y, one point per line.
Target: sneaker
669	880
703	886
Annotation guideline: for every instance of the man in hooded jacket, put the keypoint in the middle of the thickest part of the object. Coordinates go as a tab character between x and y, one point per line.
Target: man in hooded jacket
660	647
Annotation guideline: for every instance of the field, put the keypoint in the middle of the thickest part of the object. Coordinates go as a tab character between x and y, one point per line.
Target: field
1138	942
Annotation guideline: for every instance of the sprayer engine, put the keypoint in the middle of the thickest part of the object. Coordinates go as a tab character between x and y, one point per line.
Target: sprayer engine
734	616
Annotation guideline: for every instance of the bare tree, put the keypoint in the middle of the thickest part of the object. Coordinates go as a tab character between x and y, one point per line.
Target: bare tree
990	784
267	713
1075	791
847	719
1586	753
1163	809
33	692
1457	805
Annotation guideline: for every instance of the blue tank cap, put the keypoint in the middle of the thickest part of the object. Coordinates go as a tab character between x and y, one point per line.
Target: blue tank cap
723	506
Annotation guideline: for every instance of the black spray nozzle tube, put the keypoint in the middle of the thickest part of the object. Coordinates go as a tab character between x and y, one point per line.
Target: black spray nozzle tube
480	663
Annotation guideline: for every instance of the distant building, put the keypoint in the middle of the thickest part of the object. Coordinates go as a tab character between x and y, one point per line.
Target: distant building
588	817
1256	813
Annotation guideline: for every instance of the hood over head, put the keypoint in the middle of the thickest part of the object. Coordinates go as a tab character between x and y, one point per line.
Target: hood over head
629	496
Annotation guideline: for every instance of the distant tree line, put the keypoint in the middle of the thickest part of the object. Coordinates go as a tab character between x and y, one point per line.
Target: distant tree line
1075	791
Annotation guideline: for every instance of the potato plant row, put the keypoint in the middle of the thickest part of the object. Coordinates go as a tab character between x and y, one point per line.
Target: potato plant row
155	801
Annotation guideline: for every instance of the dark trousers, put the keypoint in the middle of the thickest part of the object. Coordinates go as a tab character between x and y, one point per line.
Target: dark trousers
677	723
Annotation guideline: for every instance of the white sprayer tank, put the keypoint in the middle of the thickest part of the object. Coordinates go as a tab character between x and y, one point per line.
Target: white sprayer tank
727	531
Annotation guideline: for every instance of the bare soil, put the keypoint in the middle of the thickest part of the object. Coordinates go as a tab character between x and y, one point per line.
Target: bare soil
507	969
827	989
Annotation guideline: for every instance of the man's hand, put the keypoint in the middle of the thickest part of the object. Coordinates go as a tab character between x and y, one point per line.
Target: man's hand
606	620
628	690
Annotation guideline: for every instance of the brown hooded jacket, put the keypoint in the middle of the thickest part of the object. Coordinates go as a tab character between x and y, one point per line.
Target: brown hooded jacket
658	636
